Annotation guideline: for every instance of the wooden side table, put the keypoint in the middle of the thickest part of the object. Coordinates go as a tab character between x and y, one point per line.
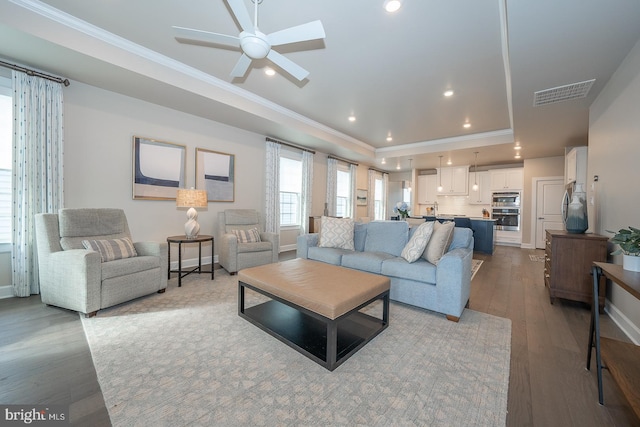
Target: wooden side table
620	358
184	239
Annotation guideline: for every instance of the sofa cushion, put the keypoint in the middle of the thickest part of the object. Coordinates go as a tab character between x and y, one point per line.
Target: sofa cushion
111	249
439	242
255	247
359	236
414	249
462	238
328	255
251	235
124	267
336	233
387	236
365	261
420	271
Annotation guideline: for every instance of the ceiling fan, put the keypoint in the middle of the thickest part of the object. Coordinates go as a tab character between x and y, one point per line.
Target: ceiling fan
254	43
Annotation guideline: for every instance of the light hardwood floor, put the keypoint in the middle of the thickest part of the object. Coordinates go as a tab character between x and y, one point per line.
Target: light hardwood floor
44	357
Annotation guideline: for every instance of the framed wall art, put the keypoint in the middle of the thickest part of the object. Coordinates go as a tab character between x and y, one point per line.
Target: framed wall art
158	169
361	197
215	173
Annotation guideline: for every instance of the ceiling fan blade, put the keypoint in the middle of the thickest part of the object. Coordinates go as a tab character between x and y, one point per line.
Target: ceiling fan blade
287	65
241	14
309	31
189	35
241	66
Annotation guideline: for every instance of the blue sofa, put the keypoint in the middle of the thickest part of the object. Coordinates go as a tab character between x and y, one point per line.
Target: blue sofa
443	288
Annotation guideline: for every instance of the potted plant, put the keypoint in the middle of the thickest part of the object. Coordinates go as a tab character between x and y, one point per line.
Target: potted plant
629	242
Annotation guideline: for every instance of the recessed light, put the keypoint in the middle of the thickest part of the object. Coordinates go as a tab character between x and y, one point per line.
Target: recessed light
269	71
466	125
392	5
449	162
352	118
517	156
383	161
389	138
398	166
448	93
517	147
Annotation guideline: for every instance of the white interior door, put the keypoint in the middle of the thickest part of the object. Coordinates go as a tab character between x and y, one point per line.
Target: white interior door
548	208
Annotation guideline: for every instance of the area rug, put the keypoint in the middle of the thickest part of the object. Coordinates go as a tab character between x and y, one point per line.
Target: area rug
185	358
475	266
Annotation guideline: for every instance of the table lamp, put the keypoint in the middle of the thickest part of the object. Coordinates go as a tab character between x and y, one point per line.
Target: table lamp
191	199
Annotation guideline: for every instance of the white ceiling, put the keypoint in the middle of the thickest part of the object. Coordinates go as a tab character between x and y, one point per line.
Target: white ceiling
389	70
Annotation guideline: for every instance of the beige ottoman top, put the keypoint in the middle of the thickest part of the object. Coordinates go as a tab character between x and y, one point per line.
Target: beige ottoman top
326	289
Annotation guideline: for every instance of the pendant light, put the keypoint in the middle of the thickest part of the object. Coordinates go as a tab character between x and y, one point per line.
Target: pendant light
475	174
440	176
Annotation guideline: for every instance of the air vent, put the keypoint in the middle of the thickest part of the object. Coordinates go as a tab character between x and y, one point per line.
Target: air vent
562	93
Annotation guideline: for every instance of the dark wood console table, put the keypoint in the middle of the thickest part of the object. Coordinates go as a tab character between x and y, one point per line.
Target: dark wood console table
620	358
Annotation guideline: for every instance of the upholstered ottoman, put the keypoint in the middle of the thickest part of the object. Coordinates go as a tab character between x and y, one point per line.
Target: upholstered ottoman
315	308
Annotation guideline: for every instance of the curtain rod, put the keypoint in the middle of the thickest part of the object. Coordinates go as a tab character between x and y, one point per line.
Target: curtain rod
30	72
378	170
289	144
331	156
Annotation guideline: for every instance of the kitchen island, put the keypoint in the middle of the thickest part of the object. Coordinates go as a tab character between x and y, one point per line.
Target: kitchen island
483	230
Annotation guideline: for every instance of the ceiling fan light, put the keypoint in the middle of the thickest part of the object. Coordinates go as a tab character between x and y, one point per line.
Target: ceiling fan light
254	45
392	5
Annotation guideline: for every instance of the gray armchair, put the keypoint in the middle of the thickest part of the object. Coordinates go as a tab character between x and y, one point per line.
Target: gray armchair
234	256
76	278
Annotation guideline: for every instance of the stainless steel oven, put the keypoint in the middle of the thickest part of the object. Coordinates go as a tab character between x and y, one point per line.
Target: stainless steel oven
507	218
505	210
505	198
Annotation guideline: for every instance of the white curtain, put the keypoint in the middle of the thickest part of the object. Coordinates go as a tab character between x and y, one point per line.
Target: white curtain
371	200
37	183
307	190
352	190
272	188
332	185
385	194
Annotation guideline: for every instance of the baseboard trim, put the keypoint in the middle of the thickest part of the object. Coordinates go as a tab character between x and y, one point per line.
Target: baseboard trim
287	248
623	322
6	292
193	262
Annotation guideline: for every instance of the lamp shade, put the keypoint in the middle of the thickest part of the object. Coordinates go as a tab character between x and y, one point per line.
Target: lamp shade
191	198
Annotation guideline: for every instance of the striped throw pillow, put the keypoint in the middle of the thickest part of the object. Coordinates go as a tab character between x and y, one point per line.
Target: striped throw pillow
247	236
112	249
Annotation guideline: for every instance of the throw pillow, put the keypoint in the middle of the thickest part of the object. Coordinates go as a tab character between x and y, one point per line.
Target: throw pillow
418	242
440	241
336	233
247	236
112	249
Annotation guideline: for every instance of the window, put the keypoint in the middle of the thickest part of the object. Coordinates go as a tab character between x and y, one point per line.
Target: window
6	131
378	202
343	192
290	190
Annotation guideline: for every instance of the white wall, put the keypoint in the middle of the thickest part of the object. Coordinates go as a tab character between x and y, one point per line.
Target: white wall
614	151
99	127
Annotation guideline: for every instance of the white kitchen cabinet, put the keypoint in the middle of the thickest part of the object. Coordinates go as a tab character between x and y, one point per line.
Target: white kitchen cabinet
575	167
481	196
507	179
427	189
454	180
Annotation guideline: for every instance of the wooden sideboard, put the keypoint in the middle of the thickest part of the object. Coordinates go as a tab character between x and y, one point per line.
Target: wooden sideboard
567	265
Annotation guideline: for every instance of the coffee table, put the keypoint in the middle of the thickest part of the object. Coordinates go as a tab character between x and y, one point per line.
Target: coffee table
314	307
